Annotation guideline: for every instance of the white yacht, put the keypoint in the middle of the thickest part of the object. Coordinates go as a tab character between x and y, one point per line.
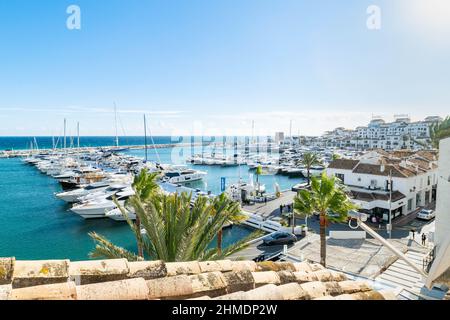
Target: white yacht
182	176
116	214
112	189
98	207
73	195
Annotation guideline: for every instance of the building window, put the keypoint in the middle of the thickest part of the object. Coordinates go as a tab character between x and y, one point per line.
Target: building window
410	202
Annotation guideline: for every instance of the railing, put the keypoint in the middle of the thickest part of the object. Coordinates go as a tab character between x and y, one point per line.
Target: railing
428	260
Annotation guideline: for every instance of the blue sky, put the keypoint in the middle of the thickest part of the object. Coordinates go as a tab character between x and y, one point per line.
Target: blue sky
213	66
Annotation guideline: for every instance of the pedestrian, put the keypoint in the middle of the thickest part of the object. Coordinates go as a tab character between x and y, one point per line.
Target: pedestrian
413	233
424	239
281	208
265	200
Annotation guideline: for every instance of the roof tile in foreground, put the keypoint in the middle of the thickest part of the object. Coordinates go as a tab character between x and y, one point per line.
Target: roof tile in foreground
119	279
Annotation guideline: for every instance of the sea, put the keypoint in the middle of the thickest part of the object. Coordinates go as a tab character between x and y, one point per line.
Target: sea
34	224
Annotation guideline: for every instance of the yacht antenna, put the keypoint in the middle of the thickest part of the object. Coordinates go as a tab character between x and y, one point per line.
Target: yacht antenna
253	131
290	132
65	134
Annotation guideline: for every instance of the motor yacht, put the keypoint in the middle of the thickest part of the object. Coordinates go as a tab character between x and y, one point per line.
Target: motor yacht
97	208
73	195
112	189
116	215
183	176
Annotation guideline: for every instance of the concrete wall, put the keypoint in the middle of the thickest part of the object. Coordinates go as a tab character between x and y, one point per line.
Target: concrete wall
443	193
347	234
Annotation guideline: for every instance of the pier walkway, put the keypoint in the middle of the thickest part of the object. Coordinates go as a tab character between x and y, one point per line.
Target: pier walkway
271	208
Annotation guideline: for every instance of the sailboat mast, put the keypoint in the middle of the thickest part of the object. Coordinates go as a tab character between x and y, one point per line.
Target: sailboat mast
253	131
290	131
145	138
65	134
78	135
115	121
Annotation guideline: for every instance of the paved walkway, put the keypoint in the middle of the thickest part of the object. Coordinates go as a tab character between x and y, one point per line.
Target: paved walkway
271	208
364	257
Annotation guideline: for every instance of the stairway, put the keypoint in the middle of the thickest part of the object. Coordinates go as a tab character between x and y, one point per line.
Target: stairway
401	275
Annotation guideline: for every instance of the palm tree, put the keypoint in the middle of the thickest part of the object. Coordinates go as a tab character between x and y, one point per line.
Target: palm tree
145	186
310	159
439	131
327	197
174	230
335	156
223	204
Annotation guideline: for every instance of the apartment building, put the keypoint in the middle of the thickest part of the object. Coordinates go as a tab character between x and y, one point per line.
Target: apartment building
399	134
408	178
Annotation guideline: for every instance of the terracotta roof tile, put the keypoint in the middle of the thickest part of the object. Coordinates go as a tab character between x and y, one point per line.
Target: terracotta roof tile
33	273
121	280
345	164
6	270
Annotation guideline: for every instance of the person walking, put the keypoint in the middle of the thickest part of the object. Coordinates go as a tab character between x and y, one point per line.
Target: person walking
281	208
424	239
413	233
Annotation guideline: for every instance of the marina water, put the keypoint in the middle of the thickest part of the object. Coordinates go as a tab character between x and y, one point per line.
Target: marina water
34	224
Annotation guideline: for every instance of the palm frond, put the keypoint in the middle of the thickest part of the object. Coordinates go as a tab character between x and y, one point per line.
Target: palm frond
105	249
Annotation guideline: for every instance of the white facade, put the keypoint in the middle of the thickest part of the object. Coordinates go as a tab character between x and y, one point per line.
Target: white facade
279	137
400	134
440	268
374	188
443	193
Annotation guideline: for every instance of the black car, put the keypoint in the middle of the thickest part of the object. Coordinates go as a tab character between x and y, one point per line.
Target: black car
279	238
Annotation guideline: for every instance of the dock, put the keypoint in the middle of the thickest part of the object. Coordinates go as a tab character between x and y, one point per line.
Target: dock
28	152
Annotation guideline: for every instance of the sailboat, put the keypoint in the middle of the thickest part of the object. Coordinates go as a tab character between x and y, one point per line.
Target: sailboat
117	149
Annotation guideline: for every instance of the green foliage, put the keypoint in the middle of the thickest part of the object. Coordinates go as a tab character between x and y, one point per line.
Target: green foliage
327	198
175	229
439	131
335	156
259	170
310	159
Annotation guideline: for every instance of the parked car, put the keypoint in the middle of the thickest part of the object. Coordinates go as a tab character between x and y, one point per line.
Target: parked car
426	214
279	238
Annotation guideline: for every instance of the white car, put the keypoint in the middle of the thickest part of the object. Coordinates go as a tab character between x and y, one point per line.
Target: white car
426	214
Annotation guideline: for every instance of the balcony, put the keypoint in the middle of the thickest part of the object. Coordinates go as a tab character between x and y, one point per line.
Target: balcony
372	189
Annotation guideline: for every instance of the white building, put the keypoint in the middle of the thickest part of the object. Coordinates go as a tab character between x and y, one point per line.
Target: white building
400	134
440	268
279	137
414	178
